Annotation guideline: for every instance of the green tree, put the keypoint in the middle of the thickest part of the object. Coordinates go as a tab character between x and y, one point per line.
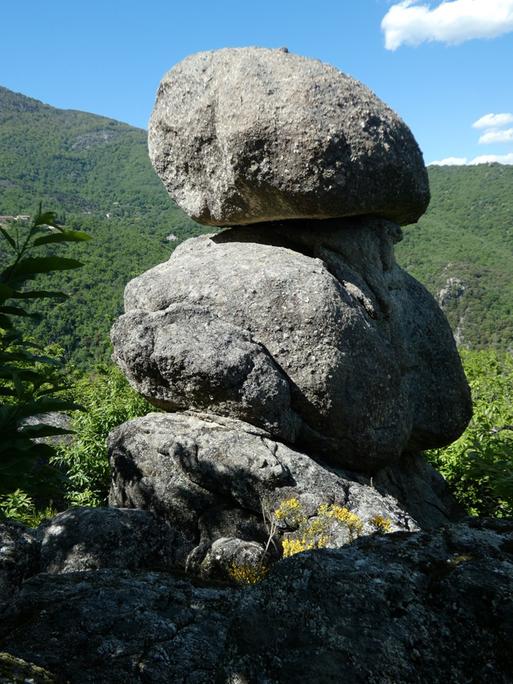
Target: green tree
31	381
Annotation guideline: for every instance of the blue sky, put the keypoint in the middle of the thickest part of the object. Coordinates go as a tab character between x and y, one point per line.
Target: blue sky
442	65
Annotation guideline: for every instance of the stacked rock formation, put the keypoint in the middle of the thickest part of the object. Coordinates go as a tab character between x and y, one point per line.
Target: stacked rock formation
294	357
301	372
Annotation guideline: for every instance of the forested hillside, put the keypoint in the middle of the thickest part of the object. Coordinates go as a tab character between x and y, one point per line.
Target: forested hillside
462	249
95	173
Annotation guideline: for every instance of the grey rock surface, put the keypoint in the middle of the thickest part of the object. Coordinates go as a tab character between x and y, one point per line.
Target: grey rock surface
19	557
406	607
247	135
82	539
114	627
215	478
186	357
54	419
453	290
363	349
424	607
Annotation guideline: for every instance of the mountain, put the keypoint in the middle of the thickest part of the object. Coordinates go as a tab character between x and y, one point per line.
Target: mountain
462	250
76	162
96	174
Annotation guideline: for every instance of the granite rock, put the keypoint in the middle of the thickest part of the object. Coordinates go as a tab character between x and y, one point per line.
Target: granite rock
217	478
404	607
328	319
245	135
185	357
81	539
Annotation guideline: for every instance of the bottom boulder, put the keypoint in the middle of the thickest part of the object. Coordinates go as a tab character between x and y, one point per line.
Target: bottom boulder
424	607
214	478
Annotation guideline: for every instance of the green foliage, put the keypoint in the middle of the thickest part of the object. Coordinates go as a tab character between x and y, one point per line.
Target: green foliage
30	381
108	401
479	466
467	233
97	175
18	505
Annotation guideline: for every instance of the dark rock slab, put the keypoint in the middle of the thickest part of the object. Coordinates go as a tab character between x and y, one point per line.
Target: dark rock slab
92	538
114	627
424	607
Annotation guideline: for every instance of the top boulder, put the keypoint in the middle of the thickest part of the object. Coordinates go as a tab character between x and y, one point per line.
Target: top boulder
246	135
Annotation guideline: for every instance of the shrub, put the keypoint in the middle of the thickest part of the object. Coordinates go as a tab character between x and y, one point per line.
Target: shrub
18	505
308	534
380	524
108	401
247	573
479	465
33	382
316	532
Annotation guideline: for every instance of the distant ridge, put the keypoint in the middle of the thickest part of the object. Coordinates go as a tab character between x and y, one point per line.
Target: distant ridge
66	158
462	249
96	173
16	102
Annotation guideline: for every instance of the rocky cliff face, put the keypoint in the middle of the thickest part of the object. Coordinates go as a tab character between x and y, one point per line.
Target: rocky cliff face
301	372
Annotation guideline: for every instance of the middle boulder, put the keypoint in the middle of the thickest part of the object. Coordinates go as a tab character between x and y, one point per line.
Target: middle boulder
317	336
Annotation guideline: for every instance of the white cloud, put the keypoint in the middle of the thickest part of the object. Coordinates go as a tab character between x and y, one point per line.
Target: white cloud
449	161
496	135
489	158
483	159
493	120
454	21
